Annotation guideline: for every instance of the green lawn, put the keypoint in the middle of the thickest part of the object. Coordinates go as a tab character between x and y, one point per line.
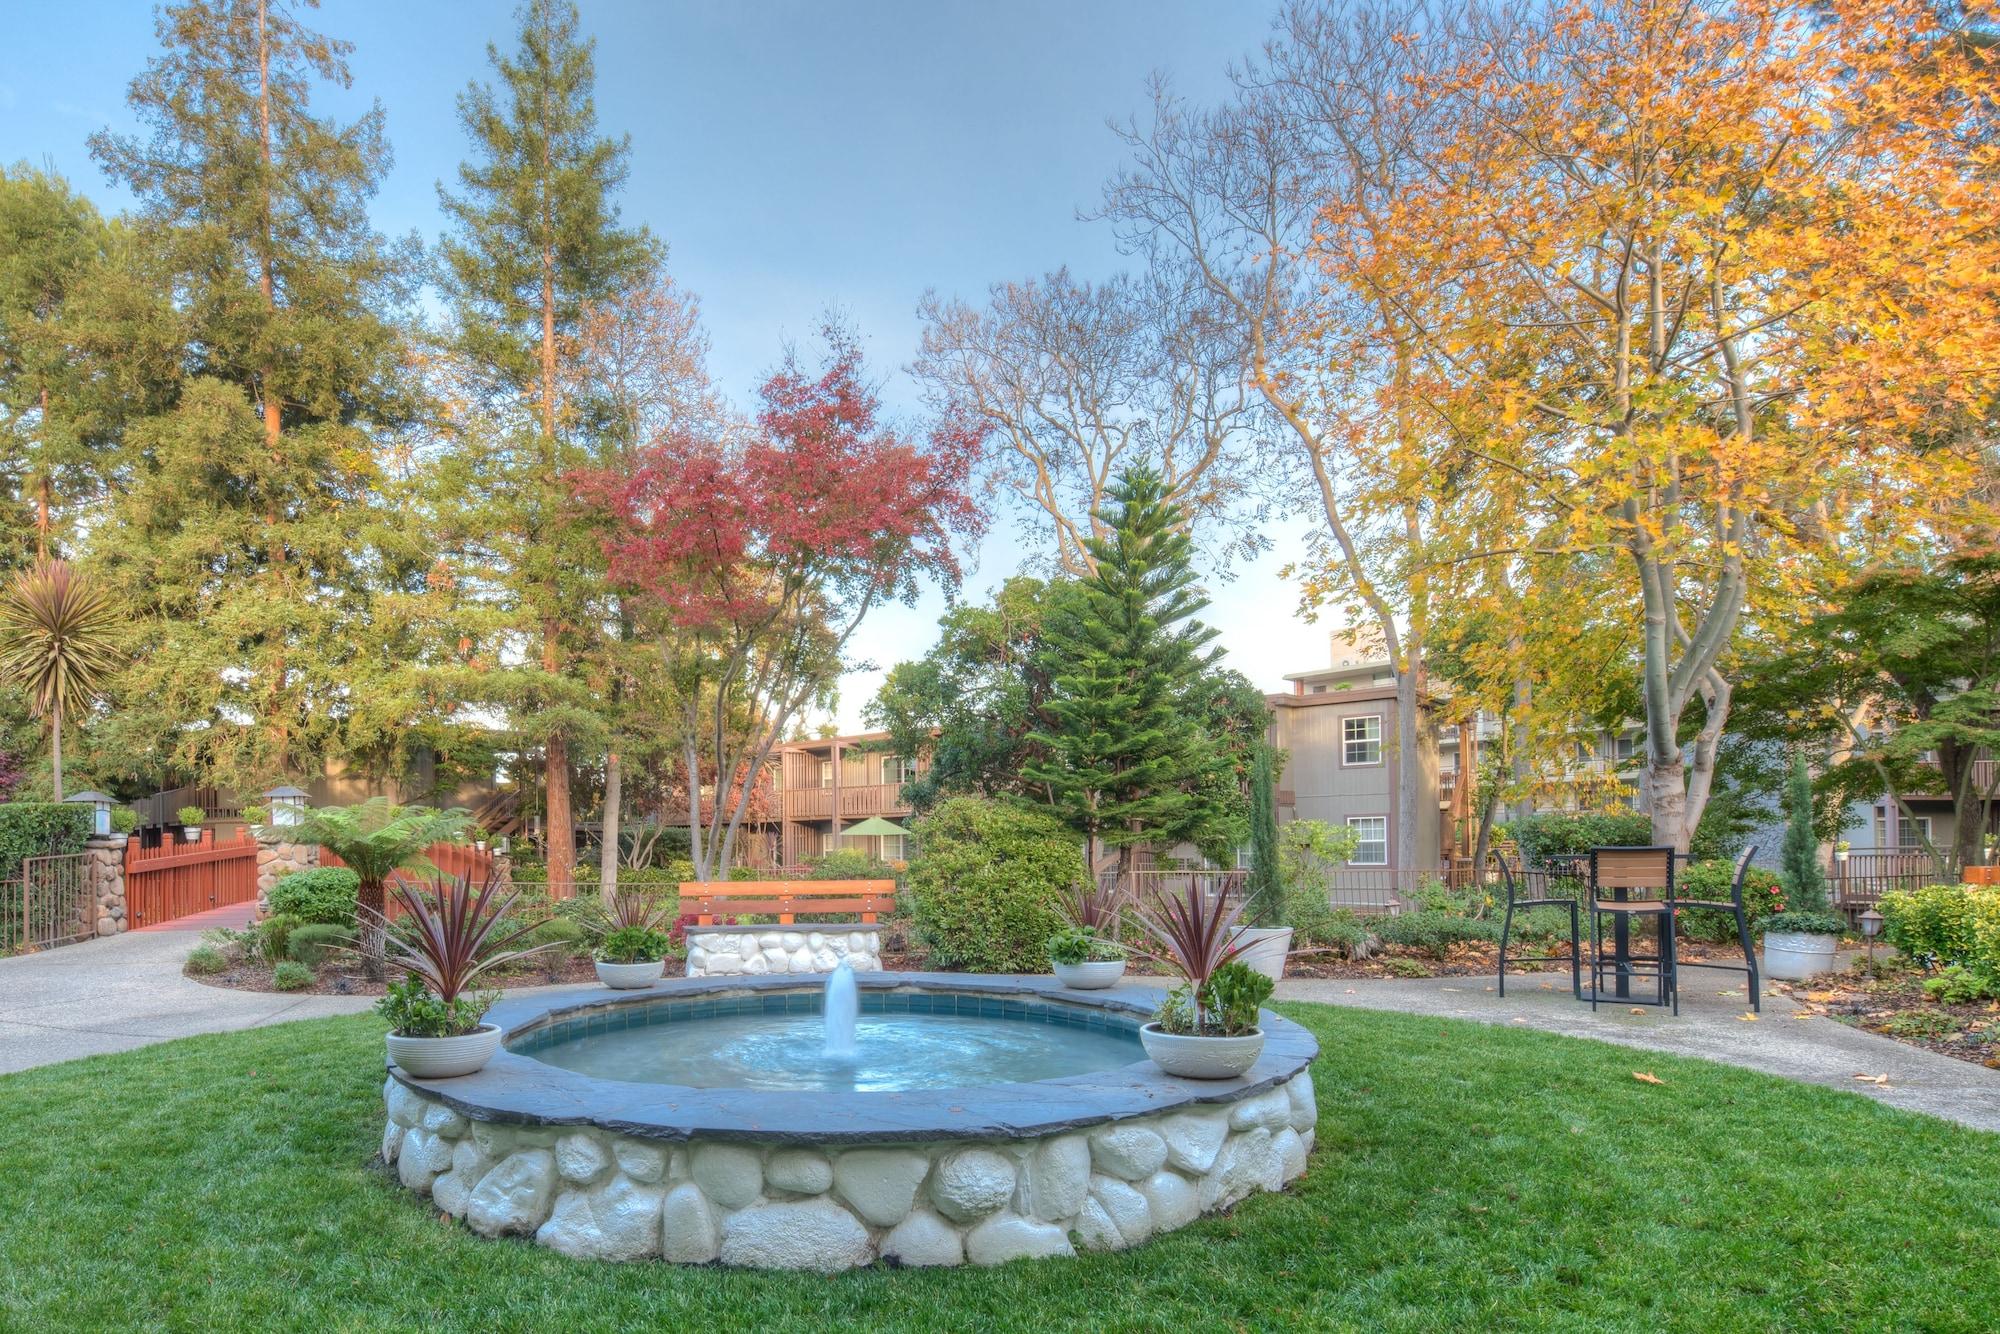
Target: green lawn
1465	1177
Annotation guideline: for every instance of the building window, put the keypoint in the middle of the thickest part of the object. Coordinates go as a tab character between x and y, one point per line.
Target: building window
1361	740
1910	831
1373	849
892	848
826	773
898	770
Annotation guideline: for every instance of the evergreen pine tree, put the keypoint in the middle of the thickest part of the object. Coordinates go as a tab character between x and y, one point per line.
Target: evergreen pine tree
1805	881
1126	743
247	536
536	245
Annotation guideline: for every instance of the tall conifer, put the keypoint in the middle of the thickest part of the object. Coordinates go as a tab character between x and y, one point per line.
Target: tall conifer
250	529
1127	741
536	244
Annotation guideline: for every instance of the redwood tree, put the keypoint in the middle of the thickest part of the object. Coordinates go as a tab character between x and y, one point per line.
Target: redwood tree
537	244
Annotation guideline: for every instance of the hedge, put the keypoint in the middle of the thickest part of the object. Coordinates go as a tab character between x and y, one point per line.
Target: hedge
40	829
1556	833
320	895
989	882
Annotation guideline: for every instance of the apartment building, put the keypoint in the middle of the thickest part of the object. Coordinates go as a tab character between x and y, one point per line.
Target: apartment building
825	785
1337	725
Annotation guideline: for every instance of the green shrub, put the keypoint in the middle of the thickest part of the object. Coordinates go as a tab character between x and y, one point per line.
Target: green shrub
274	934
206	961
1081	944
291	976
1958	985
40	829
316	942
1400	967
633	944
124	819
556	931
323	895
1763	894
1542	926
1558	833
1938	923
989	883
1432	932
848	864
414	1012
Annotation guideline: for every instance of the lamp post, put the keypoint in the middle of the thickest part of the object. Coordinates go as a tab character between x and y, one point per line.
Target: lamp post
1871	926
100	812
288	805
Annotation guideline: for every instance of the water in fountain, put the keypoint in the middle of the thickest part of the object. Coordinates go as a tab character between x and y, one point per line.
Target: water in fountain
842	1005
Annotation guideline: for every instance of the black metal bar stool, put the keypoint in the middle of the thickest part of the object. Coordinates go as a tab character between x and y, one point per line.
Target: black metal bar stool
1733	906
1549	895
1621	872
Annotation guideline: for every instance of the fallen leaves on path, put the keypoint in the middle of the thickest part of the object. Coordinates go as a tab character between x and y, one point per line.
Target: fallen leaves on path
1880	1080
1747	1017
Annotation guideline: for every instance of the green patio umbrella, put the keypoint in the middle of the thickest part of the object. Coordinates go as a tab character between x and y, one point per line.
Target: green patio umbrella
874	827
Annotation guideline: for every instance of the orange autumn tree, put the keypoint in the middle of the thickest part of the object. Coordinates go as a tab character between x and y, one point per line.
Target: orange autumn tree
1714	284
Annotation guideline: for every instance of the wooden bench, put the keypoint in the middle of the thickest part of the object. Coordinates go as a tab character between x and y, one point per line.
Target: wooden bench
710	899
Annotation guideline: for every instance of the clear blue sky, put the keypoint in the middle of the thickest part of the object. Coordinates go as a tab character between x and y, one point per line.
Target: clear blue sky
795	156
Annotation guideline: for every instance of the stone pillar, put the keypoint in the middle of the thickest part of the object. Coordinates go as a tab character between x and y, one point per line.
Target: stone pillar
276	859
105	866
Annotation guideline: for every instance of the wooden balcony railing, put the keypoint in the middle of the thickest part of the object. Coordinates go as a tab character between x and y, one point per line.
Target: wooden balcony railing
857	802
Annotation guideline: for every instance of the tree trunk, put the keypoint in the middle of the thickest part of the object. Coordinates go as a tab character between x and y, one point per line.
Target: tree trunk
1667	785
607	851
372	901
562	824
55	732
1409	771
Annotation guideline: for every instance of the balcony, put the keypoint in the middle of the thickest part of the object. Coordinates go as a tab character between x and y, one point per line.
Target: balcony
858	801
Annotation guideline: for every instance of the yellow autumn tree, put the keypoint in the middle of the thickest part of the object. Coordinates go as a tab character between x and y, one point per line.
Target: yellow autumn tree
1718	282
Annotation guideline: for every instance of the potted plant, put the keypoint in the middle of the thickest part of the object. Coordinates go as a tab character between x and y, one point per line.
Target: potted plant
124	820
1085	954
632	952
436	1027
1800	941
1207	1027
191	818
1266	940
479	838
1084	960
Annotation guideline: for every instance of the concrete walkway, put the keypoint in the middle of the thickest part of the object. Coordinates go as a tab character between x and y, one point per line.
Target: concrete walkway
1780	1041
125	992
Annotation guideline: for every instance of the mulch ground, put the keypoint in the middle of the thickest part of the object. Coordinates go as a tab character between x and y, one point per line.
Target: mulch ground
345	980
1890	1000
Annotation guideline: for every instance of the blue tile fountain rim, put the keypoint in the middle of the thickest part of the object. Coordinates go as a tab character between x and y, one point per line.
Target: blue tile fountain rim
519	1089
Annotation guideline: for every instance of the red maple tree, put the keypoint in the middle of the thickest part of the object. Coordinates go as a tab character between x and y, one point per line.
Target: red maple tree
751	555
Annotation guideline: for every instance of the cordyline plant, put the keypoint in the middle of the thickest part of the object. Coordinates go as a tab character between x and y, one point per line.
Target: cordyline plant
1192	936
1095	909
58	640
448	939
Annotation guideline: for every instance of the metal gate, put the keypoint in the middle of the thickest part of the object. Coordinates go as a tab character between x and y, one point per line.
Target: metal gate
51	904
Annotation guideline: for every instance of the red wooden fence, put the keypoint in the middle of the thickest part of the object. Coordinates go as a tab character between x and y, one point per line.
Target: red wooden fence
461	860
176	879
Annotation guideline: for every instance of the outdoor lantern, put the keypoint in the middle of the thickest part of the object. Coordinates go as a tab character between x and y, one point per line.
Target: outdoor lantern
1871	925
100	811
288	805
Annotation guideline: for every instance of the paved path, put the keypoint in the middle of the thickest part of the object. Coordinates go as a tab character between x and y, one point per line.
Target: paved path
125	992
1781	1041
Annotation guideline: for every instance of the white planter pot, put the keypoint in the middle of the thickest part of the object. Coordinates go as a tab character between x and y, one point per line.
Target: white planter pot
1201	1058
441	1058
630	976
1792	957
1264	949
191	833
1093	975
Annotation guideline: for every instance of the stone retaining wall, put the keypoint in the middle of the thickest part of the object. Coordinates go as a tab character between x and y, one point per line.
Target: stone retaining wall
740	951
596	1194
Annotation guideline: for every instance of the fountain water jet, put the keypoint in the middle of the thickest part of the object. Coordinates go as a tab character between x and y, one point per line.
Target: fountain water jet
842	1005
